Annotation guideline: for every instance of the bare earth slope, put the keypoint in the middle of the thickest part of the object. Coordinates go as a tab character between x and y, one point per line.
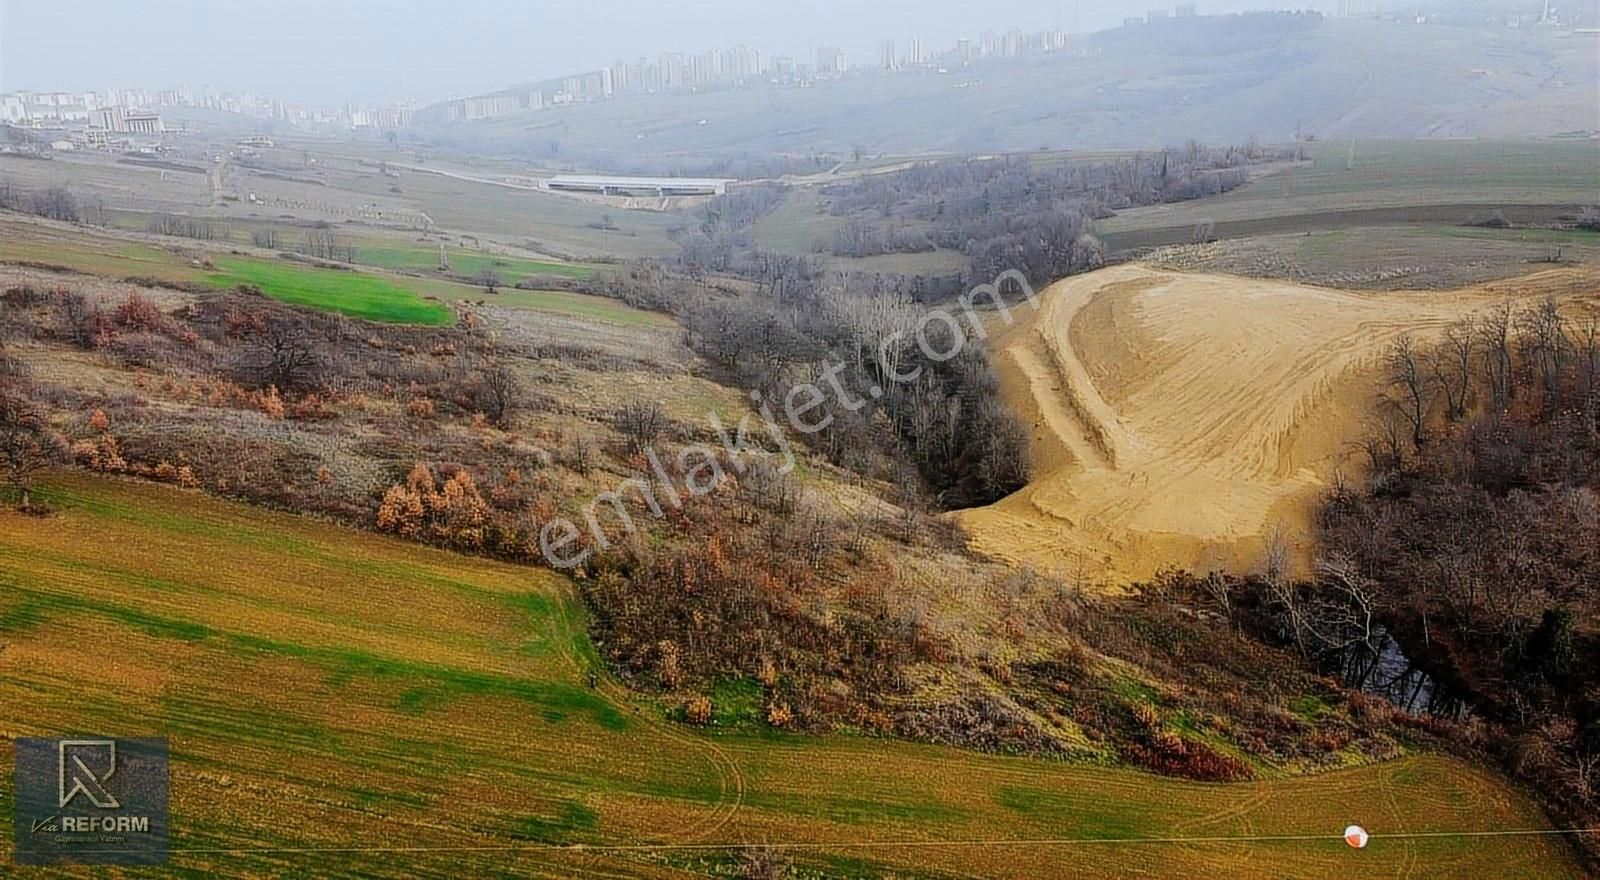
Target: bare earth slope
1184	419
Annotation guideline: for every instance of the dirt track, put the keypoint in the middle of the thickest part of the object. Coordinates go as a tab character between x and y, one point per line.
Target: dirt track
1184	419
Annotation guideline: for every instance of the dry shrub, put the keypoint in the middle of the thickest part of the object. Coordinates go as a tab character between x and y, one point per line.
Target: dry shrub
780	715
453	514
102	454
269	403
421	408
1171	755
139	314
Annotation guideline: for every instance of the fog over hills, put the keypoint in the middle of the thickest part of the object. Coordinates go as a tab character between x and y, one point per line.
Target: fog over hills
1217	79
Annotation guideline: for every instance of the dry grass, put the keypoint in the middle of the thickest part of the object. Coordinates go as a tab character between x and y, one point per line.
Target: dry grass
325	688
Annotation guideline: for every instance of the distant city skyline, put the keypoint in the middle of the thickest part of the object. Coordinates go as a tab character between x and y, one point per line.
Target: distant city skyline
332	52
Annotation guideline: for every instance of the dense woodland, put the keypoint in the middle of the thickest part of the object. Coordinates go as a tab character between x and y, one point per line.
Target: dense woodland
935	428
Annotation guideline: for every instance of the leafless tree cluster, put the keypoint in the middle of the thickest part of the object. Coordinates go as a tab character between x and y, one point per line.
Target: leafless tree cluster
1476	544
1504	359
54	203
324	244
642	423
269	237
198	228
1018	214
884	400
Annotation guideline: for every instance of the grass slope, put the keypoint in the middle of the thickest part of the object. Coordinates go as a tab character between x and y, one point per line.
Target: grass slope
464	262
326	688
355	294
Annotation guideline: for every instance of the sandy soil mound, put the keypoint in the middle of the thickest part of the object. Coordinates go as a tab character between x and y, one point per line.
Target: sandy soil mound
1184	419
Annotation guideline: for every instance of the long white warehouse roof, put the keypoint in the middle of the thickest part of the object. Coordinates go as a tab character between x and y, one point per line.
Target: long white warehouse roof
605	180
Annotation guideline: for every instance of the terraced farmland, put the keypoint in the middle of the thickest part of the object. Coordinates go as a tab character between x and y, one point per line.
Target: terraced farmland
421	714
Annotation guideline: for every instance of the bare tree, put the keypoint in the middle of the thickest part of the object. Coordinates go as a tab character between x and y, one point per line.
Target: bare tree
1405	373
1586	339
1281	588
490	281
1348	612
1452	367
27	445
283	356
642	423
267	237
1496	334
1545	345
1220	588
498	394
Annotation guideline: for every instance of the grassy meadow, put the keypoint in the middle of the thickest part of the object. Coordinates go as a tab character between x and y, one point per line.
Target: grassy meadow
426	714
369	295
421	258
358	295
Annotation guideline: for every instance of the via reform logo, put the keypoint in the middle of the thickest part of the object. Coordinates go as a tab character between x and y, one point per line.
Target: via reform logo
91	801
86	780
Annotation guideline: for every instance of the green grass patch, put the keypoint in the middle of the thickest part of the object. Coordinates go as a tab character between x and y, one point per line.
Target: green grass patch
737	703
557	701
467	263
1530	235
573	821
1134	690
1080	816
1309	706
351	293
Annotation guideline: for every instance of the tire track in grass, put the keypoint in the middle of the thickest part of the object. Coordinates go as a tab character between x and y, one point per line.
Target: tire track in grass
731	782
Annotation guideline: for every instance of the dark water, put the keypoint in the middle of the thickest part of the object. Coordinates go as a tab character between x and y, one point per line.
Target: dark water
1383	669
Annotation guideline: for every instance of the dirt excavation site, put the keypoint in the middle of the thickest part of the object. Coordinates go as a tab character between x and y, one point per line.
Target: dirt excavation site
1186	420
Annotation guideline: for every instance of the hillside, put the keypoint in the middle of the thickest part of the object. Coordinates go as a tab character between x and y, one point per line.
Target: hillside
1214	80
1182	419
425	714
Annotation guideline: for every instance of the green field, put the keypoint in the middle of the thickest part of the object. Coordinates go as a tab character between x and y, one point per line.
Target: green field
1396	174
421	258
420	714
368	295
355	294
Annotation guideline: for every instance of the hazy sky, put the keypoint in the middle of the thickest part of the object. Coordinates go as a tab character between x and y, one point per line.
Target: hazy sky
329	51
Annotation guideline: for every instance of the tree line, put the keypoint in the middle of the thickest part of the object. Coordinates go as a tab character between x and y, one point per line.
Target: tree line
1021	213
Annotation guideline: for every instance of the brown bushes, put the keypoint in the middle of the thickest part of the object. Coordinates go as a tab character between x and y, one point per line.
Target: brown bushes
453	514
1171	755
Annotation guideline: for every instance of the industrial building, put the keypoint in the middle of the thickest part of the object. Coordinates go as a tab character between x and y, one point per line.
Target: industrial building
659	187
